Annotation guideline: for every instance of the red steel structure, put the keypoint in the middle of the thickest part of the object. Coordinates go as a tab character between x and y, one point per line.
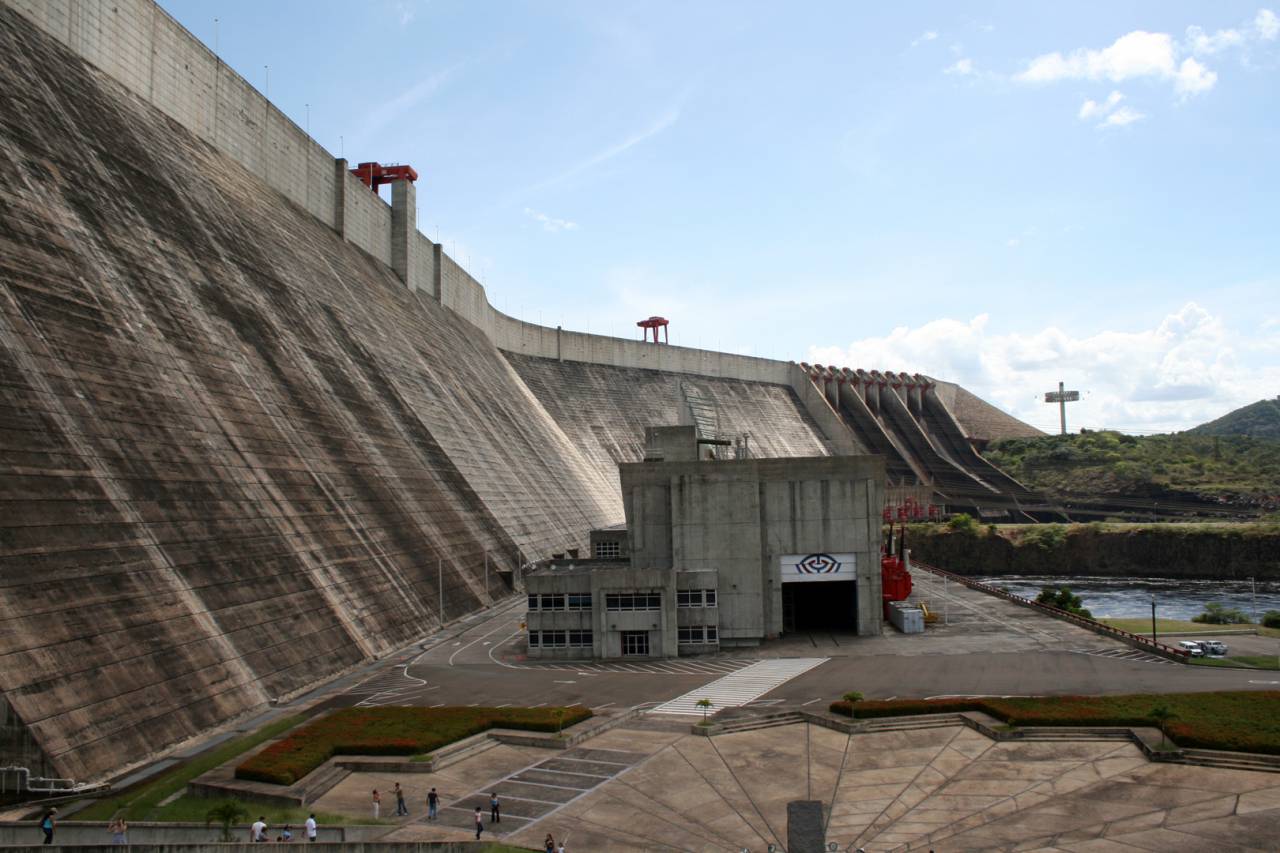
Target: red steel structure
655	323
374	175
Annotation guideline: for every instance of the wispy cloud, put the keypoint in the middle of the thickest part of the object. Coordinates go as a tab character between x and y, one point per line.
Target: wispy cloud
960	67
388	111
927	35
550	223
1109	113
664	121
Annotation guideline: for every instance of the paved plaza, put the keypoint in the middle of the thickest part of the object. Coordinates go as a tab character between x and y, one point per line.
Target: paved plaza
652	785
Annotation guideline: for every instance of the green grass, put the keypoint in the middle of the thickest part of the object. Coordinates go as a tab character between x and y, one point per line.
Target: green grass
189	809
1252	661
391	730
141	803
1243	721
1143	626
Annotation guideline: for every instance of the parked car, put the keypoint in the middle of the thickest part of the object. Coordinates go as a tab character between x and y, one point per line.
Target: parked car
1214	647
1194	648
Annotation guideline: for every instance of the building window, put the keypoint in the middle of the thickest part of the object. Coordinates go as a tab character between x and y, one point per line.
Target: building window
534	637
579	600
690	634
635	643
533	602
580	639
688	598
712	634
553	602
608	550
710	596
553	639
616	601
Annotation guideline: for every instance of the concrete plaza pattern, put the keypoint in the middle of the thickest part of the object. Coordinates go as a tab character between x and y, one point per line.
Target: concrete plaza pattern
945	788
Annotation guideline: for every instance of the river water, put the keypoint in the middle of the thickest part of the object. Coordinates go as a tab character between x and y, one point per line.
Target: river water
1130	597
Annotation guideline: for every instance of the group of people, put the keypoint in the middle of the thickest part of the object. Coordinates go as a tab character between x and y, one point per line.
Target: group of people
117	827
258	832
433	807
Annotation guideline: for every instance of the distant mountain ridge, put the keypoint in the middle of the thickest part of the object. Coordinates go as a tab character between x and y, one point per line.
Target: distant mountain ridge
1259	420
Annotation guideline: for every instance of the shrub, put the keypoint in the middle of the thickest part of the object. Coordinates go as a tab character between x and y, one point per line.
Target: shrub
963	523
1216	614
1046	537
1271	619
852	696
1244	721
1063	598
391	731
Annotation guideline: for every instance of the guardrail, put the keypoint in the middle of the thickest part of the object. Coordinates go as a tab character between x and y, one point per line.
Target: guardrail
1135	640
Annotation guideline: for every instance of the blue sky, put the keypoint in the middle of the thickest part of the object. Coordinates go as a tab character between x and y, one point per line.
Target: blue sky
1003	196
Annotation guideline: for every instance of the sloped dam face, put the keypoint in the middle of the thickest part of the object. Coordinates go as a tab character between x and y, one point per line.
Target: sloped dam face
237	455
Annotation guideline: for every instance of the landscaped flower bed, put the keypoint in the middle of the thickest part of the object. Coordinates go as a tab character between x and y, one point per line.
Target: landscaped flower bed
1245	721
391	731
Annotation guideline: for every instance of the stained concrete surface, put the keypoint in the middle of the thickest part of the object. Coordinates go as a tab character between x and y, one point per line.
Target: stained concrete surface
946	788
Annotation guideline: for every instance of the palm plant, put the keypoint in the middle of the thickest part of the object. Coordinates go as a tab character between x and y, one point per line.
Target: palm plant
705	705
1162	715
225	814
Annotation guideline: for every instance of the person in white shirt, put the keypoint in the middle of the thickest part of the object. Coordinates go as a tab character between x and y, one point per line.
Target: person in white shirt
259	830
311	828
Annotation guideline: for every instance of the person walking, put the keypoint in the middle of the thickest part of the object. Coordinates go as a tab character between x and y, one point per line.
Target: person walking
312	831
258	832
48	823
119	831
549	844
494	815
479	822
401	809
377	803
433	803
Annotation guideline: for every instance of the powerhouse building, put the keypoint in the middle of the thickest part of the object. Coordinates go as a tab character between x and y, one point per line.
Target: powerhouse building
718	553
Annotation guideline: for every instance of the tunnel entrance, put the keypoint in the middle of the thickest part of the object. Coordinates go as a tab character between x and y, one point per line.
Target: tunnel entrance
828	606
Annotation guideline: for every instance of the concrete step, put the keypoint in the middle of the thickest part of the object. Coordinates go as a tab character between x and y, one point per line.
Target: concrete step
461	750
319	783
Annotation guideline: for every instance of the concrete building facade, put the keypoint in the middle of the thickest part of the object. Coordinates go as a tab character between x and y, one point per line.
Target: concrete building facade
722	553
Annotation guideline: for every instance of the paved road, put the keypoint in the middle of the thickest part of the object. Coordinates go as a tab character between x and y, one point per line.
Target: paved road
474	665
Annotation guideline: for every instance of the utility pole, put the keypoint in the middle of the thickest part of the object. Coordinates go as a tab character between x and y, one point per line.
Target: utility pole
1062	397
440	583
486	572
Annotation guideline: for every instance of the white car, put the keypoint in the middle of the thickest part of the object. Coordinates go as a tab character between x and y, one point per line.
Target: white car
1214	647
1195	649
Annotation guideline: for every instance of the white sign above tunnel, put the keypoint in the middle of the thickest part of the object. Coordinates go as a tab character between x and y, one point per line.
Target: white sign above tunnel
818	567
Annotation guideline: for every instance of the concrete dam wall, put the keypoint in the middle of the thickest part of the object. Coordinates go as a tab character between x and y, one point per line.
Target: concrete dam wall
239	455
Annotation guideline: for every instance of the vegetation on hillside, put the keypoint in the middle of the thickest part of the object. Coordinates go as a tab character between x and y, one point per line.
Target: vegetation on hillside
1243	721
1099	463
1259	420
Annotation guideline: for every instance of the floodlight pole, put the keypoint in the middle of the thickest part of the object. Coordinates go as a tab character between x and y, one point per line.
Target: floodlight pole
1153	617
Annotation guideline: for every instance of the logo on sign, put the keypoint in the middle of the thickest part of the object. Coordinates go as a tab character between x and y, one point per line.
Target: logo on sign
818	564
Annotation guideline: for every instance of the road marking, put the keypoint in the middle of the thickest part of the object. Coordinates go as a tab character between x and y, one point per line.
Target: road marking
602	707
1264	682
441	705
558	681
811	701
502	627
739	688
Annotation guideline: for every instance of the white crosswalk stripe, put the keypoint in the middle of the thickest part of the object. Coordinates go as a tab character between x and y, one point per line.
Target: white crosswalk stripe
674	666
740	687
1123	654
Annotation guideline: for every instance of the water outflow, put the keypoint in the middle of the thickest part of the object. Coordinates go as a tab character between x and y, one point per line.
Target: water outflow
1131	597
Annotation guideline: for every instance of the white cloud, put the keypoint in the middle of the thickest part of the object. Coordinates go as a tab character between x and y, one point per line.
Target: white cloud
1121	117
1093	109
1200	42
550	223
927	35
1137	54
1266	25
1193	78
1188	369
960	67
1013	242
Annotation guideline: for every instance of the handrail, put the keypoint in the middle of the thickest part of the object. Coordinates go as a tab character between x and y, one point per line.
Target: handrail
1180	655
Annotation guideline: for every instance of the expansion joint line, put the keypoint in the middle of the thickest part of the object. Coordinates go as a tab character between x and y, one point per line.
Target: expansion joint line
934	834
715	788
871	826
835	789
746	794
713	837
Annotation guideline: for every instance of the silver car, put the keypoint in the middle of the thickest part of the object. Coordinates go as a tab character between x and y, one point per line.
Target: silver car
1195	649
1214	647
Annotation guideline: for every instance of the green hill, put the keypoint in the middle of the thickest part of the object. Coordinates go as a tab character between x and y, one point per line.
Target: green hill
1111	463
1259	420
